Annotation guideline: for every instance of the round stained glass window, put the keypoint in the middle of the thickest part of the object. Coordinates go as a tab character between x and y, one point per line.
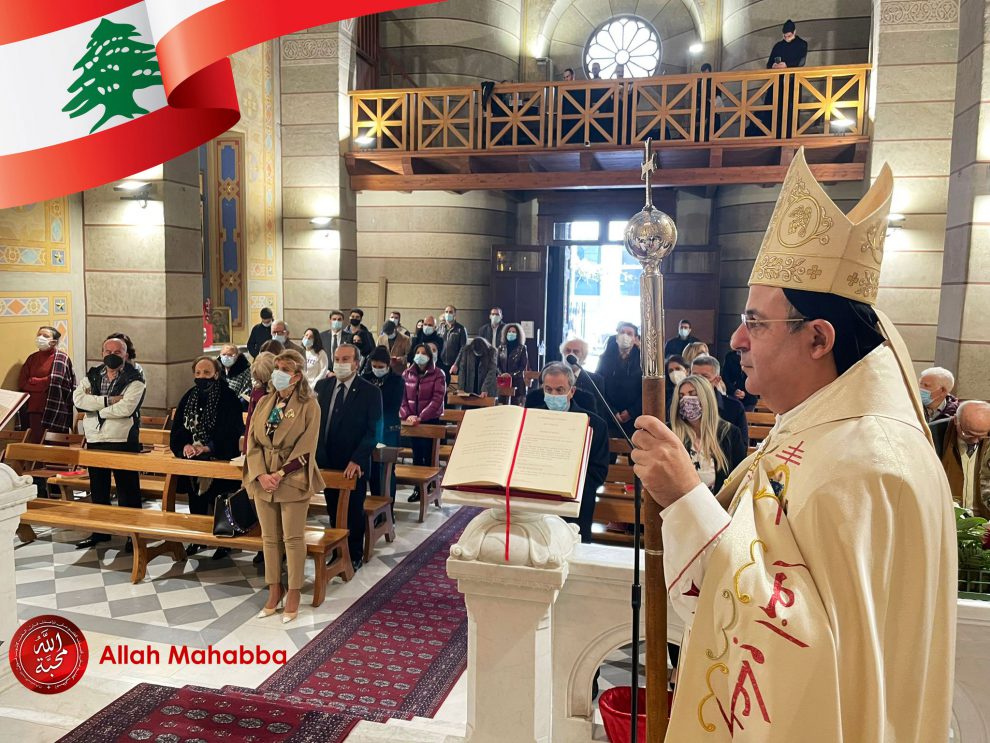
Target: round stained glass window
626	45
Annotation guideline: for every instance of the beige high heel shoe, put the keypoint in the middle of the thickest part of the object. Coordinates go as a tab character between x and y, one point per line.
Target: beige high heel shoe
288	616
266	612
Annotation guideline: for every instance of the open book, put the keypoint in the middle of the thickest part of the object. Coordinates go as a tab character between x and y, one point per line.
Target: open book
534	453
10	403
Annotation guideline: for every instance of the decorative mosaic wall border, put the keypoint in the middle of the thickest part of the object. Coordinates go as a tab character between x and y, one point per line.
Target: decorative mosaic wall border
229	224
50	255
53	309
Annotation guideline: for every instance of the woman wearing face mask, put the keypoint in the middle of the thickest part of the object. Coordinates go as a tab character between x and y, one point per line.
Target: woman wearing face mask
676	369
392	386
513	359
622	373
208	425
716	447
48	378
236	372
477	369
281	475
317	363
397	344
422	400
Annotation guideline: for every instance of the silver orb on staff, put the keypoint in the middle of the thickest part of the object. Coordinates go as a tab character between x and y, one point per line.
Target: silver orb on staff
650	237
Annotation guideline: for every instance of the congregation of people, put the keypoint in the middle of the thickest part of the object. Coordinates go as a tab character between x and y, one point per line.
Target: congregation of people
325	399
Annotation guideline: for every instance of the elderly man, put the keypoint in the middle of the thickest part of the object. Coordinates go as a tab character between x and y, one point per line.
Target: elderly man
110	396
280	333
557	394
426	334
834	570
351	411
936	385
729	409
586	381
961	442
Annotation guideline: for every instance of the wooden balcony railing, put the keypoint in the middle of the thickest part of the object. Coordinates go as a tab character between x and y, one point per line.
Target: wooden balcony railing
726	107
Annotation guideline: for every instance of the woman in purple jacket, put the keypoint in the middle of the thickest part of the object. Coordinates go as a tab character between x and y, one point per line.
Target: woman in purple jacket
423	398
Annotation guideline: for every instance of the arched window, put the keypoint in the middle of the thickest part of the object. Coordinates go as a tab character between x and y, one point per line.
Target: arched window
623	44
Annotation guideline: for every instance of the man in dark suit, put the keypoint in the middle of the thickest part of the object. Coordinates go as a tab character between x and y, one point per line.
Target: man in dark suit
357	334
351	409
334	335
729	409
559	393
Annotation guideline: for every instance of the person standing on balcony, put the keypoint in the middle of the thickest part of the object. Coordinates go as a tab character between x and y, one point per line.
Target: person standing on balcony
790	51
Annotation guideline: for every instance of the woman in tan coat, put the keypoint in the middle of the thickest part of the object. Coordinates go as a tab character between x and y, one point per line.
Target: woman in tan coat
281	475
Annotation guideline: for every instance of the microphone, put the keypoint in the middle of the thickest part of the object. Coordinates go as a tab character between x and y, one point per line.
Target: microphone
572	360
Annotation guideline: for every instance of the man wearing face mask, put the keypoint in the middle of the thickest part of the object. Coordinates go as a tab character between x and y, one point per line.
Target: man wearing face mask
587	381
48	378
426	334
261	332
397	344
491	331
110	396
622	373
676	346
280	334
357	334
558	394
454	337
396	317
350	414
935	385
334	336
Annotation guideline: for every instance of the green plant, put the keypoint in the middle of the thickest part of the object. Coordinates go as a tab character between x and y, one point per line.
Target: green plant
974	540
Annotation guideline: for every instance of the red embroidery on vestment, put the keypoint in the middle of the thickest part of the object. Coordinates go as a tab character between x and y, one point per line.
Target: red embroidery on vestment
792	454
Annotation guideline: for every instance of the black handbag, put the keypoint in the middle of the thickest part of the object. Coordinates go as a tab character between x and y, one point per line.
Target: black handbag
234	514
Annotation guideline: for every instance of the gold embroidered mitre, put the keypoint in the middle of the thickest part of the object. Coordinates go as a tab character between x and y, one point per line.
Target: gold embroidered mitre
811	245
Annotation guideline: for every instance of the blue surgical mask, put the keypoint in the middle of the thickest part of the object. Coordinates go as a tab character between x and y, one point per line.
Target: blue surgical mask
279	337
228	361
336	324
379	371
510	336
449	317
421	359
428	330
281	380
307	342
926	398
558	403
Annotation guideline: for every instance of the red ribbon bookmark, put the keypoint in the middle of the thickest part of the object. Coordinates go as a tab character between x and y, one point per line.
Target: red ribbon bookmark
508	483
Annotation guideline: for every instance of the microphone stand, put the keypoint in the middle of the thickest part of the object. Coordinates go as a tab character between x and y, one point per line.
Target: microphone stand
636	598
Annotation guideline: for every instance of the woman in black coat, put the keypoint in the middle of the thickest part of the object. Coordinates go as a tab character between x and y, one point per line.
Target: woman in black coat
208	425
622	374
393	387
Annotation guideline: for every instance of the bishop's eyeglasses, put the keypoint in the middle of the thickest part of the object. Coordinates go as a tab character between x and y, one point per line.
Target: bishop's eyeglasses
755	323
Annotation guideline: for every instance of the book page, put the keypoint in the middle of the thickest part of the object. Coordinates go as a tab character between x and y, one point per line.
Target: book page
551	453
483	449
10	403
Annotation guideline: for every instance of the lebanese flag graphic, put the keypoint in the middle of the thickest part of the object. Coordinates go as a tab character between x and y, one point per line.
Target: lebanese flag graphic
95	90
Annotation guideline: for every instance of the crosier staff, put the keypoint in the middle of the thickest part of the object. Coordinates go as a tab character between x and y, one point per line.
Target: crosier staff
650	237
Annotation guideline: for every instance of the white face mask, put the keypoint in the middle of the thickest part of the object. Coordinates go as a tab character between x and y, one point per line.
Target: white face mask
624	341
395	320
684	333
379	371
279	337
677	375
227	361
428	330
343	370
496	319
42	343
281	380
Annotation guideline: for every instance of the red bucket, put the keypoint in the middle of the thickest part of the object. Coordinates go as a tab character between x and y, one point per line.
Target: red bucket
616	708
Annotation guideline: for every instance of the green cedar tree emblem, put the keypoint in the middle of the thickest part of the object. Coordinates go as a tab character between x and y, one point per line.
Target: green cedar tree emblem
114	67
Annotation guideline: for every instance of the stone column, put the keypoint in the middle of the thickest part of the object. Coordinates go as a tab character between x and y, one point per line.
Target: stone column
913	88
509	603
963	343
319	267
15	492
144	276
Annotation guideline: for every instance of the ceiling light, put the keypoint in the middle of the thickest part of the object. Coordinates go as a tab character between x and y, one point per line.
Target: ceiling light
696	47
321	222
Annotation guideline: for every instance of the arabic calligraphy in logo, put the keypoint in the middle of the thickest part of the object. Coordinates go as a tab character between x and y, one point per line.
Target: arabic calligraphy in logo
48	654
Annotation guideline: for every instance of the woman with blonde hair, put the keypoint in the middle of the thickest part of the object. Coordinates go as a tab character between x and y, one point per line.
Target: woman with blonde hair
281	475
716	447
693	351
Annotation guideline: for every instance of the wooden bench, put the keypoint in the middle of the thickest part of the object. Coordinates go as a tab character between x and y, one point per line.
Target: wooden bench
12	437
144	526
759	426
425	479
616	502
458	401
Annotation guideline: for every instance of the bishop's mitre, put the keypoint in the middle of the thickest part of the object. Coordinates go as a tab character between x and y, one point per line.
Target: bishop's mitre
812	245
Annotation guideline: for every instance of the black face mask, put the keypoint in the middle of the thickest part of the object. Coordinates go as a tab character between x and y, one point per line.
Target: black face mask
204	384
112	361
355	321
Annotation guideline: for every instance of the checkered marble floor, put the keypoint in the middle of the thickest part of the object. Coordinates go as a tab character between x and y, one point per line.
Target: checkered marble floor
196	603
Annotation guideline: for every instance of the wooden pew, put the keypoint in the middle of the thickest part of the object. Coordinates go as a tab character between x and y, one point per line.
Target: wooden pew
457	401
11	437
424	479
380	505
147	526
615	502
759	426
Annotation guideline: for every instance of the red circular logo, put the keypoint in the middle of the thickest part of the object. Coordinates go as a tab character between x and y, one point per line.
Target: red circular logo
48	654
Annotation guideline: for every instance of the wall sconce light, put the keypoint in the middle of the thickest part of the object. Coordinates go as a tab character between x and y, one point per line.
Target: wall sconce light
841	124
136	191
894	223
322	223
696	48
364	140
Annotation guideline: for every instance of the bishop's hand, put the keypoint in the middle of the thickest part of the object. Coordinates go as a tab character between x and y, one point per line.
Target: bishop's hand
662	462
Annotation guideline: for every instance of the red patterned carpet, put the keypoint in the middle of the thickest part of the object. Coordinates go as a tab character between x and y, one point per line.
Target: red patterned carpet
396	652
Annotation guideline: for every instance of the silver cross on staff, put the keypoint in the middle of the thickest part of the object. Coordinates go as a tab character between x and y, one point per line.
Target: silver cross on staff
647	168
